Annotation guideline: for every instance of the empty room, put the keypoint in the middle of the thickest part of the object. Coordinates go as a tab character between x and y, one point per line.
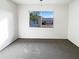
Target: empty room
39	29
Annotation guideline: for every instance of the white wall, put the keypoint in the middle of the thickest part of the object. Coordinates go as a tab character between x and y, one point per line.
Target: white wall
73	29
60	22
3	27
9	11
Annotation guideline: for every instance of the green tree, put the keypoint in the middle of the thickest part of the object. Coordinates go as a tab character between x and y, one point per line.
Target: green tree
34	15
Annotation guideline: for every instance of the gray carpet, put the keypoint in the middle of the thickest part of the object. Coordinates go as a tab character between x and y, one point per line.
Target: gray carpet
40	49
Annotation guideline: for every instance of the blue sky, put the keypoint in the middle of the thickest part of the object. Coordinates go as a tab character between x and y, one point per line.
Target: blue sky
46	14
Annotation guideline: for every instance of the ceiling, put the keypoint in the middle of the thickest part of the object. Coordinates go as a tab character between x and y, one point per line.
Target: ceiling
44	1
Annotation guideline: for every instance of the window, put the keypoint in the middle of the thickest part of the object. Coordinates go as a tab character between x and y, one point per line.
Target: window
43	19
